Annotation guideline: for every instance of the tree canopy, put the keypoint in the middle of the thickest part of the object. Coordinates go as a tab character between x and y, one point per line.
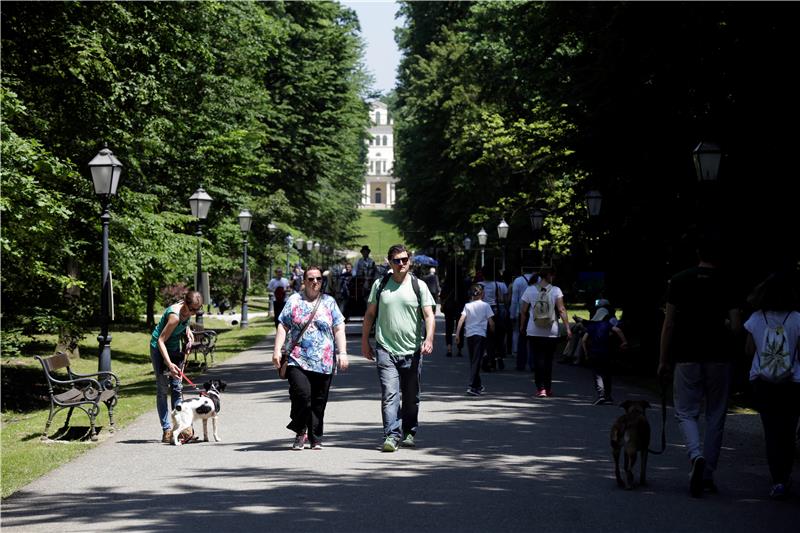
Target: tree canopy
263	104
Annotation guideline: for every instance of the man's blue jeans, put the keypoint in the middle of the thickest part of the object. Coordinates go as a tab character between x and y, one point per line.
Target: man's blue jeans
694	382
165	382
399	375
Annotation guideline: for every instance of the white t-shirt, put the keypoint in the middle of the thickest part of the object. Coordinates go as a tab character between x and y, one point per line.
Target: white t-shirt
529	297
477	315
274	284
518	287
756	326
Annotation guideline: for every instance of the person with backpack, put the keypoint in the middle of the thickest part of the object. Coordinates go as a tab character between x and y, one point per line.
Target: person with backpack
701	318
519	348
402	309
773	336
278	287
541	306
596	344
476	319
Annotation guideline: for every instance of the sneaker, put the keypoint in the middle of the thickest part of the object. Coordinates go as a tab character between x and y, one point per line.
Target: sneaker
167	436
409	442
780	491
390	444
599	401
541	394
473	392
317	445
696	476
549	393
299	441
482	389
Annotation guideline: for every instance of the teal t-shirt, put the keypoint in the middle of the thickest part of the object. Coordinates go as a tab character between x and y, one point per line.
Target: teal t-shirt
400	328
174	341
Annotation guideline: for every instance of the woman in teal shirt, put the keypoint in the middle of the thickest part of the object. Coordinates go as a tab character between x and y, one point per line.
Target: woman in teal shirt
167	356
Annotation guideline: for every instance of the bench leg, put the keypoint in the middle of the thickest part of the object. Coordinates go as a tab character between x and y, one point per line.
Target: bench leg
110	406
93	411
69	415
49	421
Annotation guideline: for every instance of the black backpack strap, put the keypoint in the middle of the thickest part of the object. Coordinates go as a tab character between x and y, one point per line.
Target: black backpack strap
381	286
415	286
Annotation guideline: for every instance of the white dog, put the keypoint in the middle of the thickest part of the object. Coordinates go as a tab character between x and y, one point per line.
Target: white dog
203	408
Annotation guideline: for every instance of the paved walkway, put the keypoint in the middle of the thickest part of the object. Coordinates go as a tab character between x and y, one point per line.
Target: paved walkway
501	462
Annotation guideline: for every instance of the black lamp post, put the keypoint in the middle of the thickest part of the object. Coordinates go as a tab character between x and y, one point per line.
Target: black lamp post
502	234
245	220
200	202
289	241
271	228
537	223
106	170
482	235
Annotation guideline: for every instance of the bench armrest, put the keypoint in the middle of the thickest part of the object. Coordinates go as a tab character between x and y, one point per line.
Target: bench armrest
103	376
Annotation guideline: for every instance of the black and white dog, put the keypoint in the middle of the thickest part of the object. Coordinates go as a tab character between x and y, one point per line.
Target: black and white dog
202	408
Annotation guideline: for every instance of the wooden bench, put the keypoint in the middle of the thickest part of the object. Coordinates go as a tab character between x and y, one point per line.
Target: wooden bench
84	391
205	343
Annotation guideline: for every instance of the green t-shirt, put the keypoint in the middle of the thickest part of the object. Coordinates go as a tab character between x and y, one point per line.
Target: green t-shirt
400	328
174	341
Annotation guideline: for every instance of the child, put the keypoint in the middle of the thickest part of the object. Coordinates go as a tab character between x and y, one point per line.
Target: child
772	336
476	315
596	344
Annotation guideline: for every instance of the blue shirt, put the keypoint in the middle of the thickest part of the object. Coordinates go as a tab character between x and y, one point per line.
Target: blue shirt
315	350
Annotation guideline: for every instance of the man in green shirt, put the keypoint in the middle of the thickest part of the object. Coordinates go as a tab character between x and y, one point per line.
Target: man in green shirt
401	303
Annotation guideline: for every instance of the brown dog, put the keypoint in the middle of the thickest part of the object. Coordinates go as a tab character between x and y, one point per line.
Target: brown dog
631	432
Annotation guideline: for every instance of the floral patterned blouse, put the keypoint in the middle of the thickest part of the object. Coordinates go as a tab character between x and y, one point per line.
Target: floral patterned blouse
315	350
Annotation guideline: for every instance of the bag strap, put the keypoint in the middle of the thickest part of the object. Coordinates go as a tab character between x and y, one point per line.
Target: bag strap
305	326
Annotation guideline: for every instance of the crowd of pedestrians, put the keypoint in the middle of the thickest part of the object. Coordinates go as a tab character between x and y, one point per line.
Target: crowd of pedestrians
526	318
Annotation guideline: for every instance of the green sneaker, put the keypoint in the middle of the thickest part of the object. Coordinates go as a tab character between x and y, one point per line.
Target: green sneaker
390	444
408	442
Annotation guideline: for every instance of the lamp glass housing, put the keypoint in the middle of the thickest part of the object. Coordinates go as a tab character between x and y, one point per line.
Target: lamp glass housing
200	202
537	219
594	200
482	235
106	171
245	220
707	157
467	243
502	229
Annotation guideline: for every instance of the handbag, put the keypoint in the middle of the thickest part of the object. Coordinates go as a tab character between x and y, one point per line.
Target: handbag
285	353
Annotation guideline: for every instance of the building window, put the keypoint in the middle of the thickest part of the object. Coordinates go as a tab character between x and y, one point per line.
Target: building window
385	143
377	117
371	167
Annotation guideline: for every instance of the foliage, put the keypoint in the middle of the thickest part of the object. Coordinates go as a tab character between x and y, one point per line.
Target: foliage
260	103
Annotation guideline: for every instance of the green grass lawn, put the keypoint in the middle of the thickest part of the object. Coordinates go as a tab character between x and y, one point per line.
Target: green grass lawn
379	232
26	407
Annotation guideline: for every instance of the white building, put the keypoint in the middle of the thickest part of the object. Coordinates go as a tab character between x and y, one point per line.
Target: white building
378	191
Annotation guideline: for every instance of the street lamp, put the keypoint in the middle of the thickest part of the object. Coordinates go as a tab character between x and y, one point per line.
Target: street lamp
593	201
482	235
502	234
271	228
245	220
537	220
299	243
707	157
467	244
288	252
106	170
200	202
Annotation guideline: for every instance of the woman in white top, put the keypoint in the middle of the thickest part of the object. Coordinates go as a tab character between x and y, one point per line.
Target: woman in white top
476	315
773	334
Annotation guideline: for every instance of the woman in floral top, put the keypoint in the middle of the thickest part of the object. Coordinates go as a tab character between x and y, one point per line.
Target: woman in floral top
313	360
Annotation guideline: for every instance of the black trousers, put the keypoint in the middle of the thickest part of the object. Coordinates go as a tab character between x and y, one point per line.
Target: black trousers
309	394
542	349
779	407
475	344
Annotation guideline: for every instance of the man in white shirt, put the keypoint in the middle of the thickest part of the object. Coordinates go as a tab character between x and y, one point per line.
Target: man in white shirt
278	288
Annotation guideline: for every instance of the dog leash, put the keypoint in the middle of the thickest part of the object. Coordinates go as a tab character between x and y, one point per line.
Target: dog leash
663	385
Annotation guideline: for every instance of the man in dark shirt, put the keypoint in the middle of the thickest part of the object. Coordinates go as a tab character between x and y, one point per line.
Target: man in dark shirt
701	315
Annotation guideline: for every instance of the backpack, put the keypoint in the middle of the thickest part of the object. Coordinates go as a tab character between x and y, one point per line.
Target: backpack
280	294
599	338
543	312
775	362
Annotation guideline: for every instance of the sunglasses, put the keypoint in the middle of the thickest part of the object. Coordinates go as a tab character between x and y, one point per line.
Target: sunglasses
317	280
400	260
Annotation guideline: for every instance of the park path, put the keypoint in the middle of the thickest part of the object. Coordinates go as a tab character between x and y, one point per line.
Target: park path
502	462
